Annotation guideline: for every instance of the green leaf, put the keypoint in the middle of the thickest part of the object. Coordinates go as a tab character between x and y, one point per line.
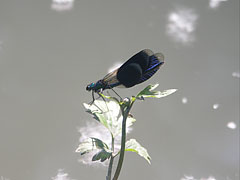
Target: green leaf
109	114
148	92
134	146
104	112
100	144
85	147
92	144
101	155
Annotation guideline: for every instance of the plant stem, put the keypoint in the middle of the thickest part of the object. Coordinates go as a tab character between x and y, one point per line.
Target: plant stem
111	161
110	168
123	140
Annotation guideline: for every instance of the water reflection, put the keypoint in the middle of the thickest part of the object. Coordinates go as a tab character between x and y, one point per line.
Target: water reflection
3	178
216	106
184	100
186	177
215	3
61	176
1	45
236	74
231	125
62	5
181	25
97	130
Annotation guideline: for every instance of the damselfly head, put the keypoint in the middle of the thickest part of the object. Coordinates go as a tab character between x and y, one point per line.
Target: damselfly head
90	87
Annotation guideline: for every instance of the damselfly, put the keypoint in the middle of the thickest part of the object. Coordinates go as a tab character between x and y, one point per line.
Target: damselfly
136	70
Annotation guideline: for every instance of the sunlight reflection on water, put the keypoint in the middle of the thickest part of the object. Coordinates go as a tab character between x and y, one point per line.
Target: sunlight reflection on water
216	106
181	25
186	177
3	178
61	176
236	74
62	5
231	125
184	100
215	3
1	44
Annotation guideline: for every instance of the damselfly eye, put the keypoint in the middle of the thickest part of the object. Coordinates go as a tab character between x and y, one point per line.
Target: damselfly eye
88	88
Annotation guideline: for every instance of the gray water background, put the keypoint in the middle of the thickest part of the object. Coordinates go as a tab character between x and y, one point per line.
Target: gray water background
48	56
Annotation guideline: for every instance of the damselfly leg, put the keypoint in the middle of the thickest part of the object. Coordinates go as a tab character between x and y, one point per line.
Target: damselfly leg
99	96
116	93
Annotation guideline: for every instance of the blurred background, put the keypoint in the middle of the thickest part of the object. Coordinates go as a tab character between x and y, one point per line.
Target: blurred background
50	51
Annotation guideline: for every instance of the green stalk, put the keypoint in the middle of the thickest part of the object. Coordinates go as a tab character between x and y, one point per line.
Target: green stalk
110	168
123	140
109	174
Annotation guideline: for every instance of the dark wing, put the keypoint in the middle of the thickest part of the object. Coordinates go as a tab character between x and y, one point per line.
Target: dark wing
155	61
130	72
129	75
137	69
141	58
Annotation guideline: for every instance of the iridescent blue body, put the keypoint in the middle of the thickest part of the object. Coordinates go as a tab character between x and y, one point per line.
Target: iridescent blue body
136	70
97	87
